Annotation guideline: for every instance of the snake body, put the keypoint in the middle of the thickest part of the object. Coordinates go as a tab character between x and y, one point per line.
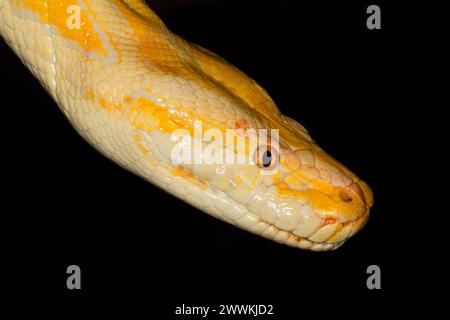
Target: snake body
125	82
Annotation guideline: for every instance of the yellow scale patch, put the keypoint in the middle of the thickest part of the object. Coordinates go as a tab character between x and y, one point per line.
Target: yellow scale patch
54	12
104	27
320	197
323	195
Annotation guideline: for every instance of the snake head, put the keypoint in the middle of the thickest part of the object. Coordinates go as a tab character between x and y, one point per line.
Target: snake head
292	193
295	194
310	201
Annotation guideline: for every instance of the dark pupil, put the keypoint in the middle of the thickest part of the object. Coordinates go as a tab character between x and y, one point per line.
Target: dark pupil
267	158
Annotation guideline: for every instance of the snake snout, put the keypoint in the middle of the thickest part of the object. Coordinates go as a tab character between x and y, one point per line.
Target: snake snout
327	224
352	215
352	204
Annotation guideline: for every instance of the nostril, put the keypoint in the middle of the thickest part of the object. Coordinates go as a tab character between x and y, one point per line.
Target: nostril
346	196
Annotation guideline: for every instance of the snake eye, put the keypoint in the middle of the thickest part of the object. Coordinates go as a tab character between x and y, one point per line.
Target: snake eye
265	157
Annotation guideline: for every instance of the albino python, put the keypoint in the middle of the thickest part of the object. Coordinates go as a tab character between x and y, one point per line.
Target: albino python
125	82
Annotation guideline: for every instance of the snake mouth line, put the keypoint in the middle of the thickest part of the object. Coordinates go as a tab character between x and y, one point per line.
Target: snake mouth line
289	238
319	240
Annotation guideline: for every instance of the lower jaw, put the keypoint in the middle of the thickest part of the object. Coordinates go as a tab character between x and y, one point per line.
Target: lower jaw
332	243
292	240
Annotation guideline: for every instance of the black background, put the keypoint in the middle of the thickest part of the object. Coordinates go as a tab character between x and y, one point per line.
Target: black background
366	97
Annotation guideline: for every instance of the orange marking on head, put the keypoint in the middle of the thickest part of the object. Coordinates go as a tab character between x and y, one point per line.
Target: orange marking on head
279	183
241	124
329	220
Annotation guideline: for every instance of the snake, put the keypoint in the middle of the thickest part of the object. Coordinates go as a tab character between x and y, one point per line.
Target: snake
126	83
